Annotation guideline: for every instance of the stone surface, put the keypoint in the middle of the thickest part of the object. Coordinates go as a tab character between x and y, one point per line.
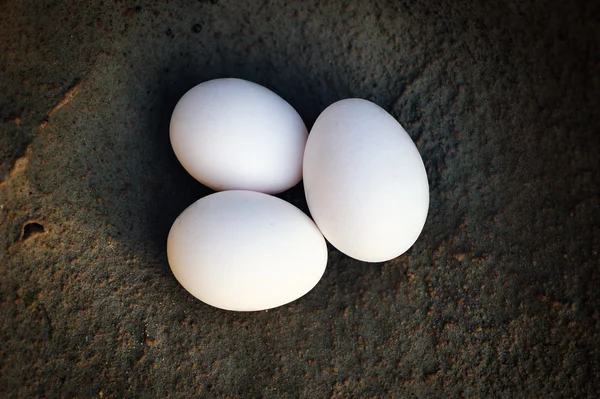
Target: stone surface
498	298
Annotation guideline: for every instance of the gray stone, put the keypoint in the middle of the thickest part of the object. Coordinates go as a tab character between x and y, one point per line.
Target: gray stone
498	298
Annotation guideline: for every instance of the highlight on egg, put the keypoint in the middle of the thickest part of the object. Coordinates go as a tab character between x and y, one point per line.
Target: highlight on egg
365	182
232	134
246	251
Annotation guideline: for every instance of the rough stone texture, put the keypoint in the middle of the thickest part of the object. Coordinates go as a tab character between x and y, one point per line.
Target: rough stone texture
498	298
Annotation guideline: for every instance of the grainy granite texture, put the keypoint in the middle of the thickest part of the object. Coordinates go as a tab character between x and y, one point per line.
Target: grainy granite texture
499	297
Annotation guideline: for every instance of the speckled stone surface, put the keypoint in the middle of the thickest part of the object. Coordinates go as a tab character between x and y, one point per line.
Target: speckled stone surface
498	298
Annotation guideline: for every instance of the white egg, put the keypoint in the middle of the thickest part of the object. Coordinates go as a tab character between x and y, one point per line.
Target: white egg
243	250
231	134
365	182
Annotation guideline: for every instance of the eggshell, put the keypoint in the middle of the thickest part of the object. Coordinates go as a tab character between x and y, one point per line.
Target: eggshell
233	134
365	182
243	250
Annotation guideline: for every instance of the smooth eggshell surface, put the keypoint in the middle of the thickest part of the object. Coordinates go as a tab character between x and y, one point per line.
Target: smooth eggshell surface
233	134
243	250
365	182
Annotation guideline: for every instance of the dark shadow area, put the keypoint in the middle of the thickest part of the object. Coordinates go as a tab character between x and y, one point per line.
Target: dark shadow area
31	229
